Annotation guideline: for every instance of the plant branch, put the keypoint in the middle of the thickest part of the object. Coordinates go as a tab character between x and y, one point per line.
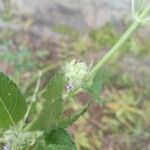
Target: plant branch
34	96
122	40
118	45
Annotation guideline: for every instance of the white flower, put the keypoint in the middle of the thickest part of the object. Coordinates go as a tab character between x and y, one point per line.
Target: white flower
6	147
69	87
75	73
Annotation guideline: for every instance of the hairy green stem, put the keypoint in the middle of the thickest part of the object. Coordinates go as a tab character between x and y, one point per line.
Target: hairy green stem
34	96
122	40
118	45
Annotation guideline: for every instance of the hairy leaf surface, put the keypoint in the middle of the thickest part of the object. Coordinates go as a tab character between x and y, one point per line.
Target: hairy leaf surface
94	86
59	139
52	106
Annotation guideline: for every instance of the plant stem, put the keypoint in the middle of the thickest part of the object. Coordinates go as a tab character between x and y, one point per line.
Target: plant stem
33	97
122	40
44	71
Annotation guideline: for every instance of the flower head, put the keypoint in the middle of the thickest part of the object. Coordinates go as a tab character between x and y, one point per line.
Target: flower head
75	73
16	140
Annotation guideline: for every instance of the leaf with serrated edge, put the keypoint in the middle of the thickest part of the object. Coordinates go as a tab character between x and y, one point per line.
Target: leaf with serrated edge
12	103
52	106
59	139
94	86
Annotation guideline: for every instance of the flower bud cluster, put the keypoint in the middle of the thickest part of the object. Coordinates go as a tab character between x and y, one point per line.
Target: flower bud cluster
16	140
75	73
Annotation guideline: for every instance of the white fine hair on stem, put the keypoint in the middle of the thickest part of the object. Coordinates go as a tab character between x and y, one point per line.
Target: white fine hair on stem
137	8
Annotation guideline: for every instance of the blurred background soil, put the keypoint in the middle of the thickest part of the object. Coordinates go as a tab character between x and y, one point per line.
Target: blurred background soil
39	34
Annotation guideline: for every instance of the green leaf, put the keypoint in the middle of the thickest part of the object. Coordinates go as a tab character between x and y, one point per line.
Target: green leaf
40	145
12	103
64	123
57	147
59	139
52	106
94	87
